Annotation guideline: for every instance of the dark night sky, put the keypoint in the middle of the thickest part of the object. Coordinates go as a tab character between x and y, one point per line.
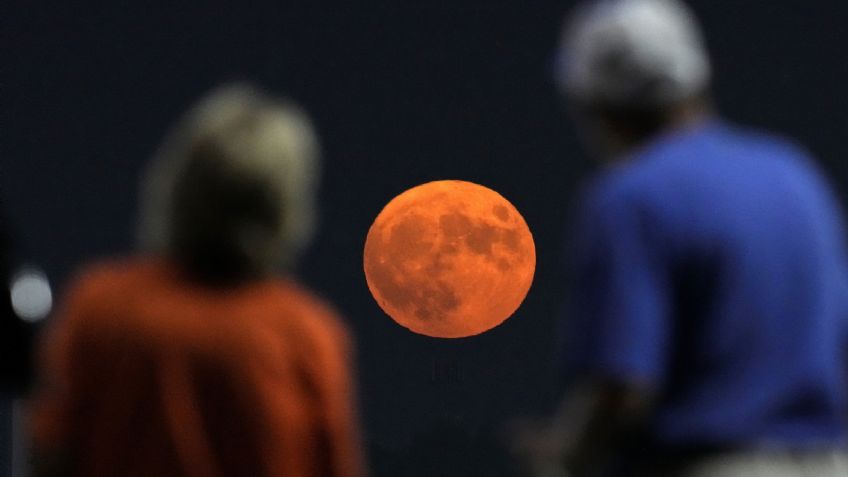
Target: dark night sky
402	93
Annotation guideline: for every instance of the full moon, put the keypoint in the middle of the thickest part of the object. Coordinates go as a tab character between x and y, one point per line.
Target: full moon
449	259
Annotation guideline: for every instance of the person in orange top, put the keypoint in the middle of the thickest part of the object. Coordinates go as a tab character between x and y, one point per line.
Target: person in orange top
197	358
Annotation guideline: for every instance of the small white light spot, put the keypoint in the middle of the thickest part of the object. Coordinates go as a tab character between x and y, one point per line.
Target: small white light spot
32	298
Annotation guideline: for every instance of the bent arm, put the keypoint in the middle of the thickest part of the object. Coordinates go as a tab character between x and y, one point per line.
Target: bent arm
600	418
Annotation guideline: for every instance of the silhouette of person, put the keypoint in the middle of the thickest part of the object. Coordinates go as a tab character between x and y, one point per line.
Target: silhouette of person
709	310
197	357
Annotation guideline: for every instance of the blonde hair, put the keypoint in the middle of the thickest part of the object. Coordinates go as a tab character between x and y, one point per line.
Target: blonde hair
236	177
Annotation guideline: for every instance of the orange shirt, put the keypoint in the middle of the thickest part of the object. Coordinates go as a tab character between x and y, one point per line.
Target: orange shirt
146	374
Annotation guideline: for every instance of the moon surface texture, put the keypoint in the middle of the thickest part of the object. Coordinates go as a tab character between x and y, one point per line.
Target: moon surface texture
449	259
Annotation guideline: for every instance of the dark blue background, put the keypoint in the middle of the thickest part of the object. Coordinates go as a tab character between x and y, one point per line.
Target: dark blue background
401	93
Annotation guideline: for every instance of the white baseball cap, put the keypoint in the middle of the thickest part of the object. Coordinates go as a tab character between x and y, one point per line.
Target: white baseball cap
641	53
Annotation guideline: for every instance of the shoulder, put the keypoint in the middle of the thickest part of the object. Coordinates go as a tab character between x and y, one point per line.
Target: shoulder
616	191
313	316
643	194
770	141
90	301
103	290
105	276
798	166
776	149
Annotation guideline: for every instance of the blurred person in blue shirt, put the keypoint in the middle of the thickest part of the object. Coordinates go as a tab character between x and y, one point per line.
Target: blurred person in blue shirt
709	311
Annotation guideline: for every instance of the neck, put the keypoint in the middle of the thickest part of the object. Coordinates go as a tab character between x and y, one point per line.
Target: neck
681	118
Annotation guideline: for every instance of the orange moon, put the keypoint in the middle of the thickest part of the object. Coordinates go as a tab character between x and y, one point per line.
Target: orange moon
449	259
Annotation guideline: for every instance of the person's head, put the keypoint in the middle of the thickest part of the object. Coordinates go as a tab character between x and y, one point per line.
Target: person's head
231	192
632	68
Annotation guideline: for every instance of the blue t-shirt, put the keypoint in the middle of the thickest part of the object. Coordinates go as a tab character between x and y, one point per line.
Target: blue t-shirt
710	266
